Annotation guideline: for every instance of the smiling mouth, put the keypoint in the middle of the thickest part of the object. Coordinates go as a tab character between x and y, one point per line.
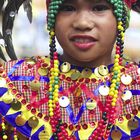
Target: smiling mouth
83	42
82	39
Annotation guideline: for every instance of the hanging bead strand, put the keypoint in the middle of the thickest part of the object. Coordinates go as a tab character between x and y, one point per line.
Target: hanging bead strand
4	136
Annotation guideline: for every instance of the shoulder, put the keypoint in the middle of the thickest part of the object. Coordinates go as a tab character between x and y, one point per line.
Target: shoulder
25	65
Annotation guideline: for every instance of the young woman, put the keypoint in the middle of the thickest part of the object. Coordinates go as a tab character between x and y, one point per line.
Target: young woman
83	93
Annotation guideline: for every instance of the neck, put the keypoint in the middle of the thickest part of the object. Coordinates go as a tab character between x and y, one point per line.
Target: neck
89	64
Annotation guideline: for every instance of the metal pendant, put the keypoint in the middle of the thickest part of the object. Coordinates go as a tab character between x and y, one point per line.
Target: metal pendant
43	71
33	122
20	120
75	74
31	61
7	98
91	104
86	73
104	90
126	79
65	67
133	124
44	135
97	73
127	95
116	135
16	105
103	70
64	101
35	85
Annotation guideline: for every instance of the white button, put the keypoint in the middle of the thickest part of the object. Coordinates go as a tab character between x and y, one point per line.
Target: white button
104	90
126	79
127	95
64	101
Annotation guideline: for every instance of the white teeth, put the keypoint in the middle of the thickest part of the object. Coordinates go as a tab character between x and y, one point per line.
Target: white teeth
82	40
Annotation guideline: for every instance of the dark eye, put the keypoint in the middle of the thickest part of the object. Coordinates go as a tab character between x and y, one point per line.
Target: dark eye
99	8
66	8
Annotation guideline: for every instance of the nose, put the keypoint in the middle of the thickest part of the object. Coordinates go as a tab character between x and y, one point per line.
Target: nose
83	21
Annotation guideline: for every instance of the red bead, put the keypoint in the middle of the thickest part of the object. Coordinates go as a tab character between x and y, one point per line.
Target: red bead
33	110
78	127
30	66
87	80
10	85
120	119
18	96
128	116
28	107
25	87
127	101
68	79
85	126
23	101
81	79
44	65
40	115
14	91
135	112
93	80
92	124
71	127
65	125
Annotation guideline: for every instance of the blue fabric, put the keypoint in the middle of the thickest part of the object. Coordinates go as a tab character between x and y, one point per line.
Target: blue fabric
2	91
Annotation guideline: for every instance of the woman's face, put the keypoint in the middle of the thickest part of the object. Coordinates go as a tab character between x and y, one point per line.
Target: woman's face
86	30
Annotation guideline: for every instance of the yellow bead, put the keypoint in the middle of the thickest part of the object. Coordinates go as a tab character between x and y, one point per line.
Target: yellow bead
115	95
5	137
50	109
52	33
113	85
56	90
3	127
50	101
56	99
56	62
55	95
112	89
116	91
117	56
113	81
55	74
51	113
111	93
113	103
119	23
56	86
114	99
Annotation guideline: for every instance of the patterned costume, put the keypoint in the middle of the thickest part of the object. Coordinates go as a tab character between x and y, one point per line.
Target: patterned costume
45	98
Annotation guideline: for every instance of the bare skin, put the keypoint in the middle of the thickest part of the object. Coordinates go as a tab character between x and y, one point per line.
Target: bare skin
86	30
